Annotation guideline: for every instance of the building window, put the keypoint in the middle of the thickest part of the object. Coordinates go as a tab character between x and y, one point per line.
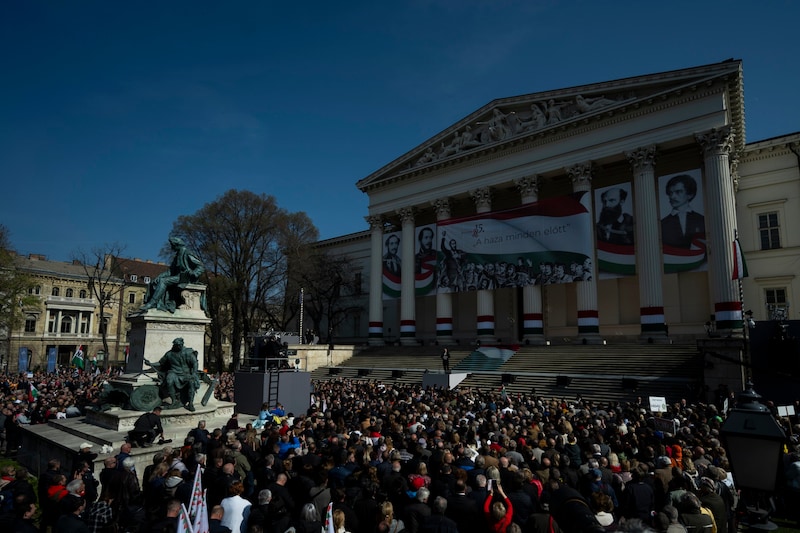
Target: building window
51	322
66	324
68	293
134	278
777	306
769	230
55	291
146	279
83	294
84	324
103	326
132	298
30	323
35	290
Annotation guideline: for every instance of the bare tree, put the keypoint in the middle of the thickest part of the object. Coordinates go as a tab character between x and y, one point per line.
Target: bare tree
244	239
328	282
104	269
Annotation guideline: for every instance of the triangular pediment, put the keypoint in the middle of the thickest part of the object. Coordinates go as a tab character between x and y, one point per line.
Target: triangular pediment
512	120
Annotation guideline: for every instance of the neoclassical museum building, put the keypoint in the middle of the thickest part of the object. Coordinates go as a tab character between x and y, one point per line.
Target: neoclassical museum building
620	210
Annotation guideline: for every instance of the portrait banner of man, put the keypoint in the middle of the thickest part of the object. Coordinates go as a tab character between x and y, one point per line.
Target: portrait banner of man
392	265
683	226
425	260
614	231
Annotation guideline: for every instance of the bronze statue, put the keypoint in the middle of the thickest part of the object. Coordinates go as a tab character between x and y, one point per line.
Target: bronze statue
178	373
185	268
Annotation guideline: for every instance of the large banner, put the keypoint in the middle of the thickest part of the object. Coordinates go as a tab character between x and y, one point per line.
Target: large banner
392	263
425	257
542	243
683	226
52	359
22	362
614	231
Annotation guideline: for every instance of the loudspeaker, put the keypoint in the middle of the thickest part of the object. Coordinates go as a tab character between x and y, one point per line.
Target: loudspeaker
363	372
508	378
398	373
563	381
630	384
334	370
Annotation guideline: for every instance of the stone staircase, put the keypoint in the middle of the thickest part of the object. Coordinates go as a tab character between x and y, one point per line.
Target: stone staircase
614	372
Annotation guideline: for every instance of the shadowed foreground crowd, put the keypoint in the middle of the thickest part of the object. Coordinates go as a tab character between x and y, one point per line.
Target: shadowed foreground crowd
396	457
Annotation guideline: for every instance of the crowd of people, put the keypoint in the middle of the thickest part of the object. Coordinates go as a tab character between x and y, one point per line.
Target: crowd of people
395	457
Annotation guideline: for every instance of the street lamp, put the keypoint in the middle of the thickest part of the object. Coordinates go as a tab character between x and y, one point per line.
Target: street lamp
754	441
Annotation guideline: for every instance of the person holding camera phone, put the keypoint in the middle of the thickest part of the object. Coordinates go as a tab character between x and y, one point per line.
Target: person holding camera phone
498	513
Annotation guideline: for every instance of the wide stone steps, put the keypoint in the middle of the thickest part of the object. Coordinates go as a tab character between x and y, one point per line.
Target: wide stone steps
602	373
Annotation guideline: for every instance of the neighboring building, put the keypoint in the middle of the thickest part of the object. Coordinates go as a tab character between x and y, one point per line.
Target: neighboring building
650	266
67	316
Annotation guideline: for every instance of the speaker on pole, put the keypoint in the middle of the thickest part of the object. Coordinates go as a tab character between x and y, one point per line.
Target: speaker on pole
563	381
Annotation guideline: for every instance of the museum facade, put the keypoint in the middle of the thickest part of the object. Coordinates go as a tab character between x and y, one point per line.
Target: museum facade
611	210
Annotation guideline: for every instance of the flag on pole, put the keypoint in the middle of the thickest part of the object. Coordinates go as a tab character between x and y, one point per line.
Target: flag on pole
329	519
34	394
184	523
198	506
739	266
77	359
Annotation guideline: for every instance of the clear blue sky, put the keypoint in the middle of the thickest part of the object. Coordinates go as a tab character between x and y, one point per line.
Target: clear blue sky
117	117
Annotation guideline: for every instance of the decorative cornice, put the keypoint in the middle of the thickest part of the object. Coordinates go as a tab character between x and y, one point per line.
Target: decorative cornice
442	208
642	159
631	97
482	198
716	142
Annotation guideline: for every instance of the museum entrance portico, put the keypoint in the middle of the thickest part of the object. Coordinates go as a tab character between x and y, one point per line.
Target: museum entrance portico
593	212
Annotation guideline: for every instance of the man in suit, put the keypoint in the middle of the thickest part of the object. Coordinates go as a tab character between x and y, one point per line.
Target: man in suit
683	224
391	261
614	225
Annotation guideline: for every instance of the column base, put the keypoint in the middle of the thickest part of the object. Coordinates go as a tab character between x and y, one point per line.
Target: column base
654	337
589	338
534	340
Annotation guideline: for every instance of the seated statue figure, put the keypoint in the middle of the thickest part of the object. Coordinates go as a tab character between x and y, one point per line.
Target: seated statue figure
179	375
185	268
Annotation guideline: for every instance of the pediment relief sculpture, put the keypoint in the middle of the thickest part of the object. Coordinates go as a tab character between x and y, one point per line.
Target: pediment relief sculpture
504	124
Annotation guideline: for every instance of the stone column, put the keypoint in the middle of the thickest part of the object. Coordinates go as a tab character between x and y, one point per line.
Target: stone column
485	298
408	322
721	221
444	300
376	281
588	318
533	319
649	265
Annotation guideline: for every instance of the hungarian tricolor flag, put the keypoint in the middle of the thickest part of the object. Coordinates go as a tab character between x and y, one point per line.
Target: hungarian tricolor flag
77	359
33	395
739	266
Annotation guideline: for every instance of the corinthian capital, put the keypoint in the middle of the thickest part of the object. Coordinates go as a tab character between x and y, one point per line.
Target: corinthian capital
374	221
528	186
642	158
716	141
482	198
406	214
581	176
442	208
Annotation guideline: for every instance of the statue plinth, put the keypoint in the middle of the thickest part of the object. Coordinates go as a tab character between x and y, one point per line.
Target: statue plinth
152	330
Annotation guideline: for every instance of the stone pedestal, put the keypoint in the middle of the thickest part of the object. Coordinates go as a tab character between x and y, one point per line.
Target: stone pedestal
152	331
